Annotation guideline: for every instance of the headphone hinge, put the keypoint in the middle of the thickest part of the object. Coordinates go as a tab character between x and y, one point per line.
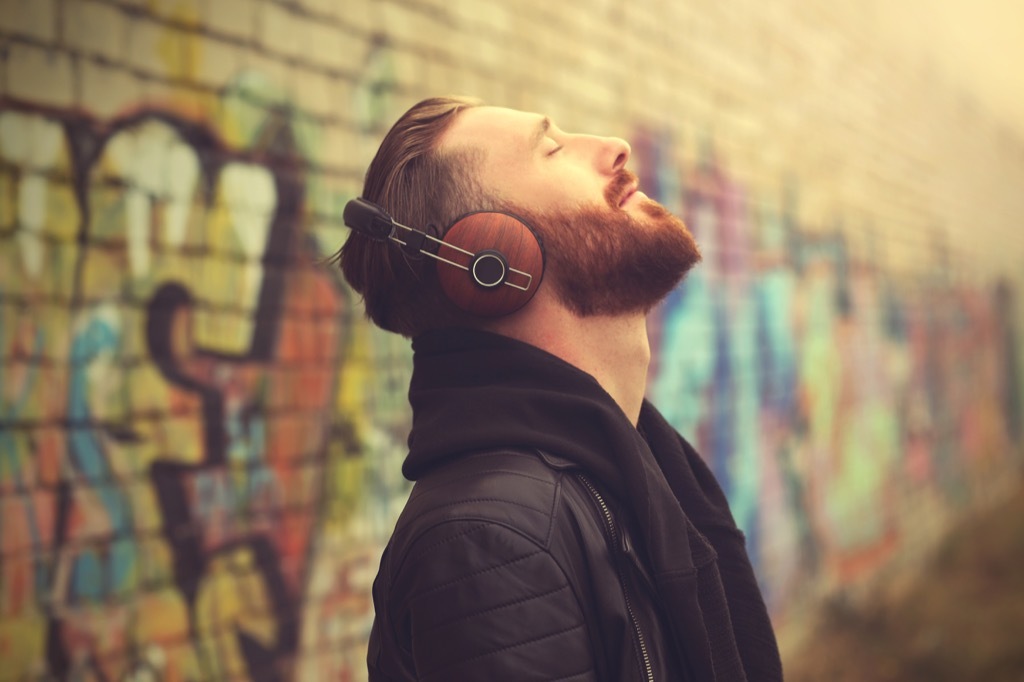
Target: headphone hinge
418	243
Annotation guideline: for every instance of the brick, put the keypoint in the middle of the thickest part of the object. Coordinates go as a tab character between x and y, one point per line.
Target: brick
308	134
356	51
102	274
96	28
63	216
326	8
495	17
40	76
329	45
404	24
438	76
236	18
340	146
33	18
464	11
280	30
8	201
219	63
363	16
311	92
488	54
107	90
186	12
408	68
152	47
273	72
171	97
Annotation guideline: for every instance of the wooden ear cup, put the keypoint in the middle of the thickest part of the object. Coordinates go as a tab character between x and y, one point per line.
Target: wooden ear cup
500	264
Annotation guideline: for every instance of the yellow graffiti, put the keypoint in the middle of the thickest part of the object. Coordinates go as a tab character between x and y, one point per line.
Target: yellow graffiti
23	643
233	600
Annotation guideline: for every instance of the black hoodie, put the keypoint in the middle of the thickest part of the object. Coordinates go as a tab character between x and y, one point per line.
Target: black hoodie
472	391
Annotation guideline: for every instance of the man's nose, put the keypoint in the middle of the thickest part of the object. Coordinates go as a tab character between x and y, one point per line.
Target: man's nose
615	154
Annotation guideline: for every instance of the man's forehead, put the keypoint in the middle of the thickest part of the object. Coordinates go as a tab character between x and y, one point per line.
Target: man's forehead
490	127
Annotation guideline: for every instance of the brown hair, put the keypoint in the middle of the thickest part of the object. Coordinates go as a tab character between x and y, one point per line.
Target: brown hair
422	188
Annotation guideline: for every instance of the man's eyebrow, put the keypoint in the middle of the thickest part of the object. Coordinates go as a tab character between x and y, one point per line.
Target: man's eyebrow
542	130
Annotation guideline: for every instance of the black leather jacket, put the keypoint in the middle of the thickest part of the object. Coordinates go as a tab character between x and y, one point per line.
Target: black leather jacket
513	565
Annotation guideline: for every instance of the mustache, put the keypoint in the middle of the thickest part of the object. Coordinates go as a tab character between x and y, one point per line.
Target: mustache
623	181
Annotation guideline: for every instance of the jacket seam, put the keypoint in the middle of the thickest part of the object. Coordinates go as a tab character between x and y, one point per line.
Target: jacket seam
430	487
474	574
574	675
510	646
469	500
498	607
555	499
481	522
423	550
478	474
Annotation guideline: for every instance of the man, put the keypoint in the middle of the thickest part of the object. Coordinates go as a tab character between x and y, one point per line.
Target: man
559	528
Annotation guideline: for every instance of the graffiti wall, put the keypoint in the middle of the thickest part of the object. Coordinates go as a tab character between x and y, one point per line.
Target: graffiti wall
191	485
201	436
838	403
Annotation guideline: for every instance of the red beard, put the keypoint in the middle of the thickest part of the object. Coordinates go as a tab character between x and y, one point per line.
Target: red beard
604	261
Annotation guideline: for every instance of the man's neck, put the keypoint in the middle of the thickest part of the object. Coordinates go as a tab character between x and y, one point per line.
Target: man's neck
613	349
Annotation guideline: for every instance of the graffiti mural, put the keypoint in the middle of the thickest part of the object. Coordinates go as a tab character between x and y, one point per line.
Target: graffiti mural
177	445
829	398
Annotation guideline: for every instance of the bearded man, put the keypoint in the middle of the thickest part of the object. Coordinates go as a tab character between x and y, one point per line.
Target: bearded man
558	528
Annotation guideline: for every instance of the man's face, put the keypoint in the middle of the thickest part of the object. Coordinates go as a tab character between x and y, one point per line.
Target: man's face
610	249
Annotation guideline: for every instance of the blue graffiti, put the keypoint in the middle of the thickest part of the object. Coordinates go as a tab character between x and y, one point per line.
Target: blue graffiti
97	573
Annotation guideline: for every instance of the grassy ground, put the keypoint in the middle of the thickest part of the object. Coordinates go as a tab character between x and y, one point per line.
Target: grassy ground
963	620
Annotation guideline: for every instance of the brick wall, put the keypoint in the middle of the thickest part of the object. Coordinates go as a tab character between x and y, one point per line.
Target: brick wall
200	436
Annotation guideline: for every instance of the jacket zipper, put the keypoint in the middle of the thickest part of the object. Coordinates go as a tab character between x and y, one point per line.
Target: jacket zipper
609	521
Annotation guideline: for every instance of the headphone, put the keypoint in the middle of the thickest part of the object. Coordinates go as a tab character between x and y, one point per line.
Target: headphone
496	259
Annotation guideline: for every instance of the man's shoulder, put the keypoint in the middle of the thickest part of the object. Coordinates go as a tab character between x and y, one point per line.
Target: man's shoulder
518	489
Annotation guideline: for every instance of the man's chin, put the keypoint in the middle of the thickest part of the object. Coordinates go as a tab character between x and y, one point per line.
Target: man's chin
616	261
